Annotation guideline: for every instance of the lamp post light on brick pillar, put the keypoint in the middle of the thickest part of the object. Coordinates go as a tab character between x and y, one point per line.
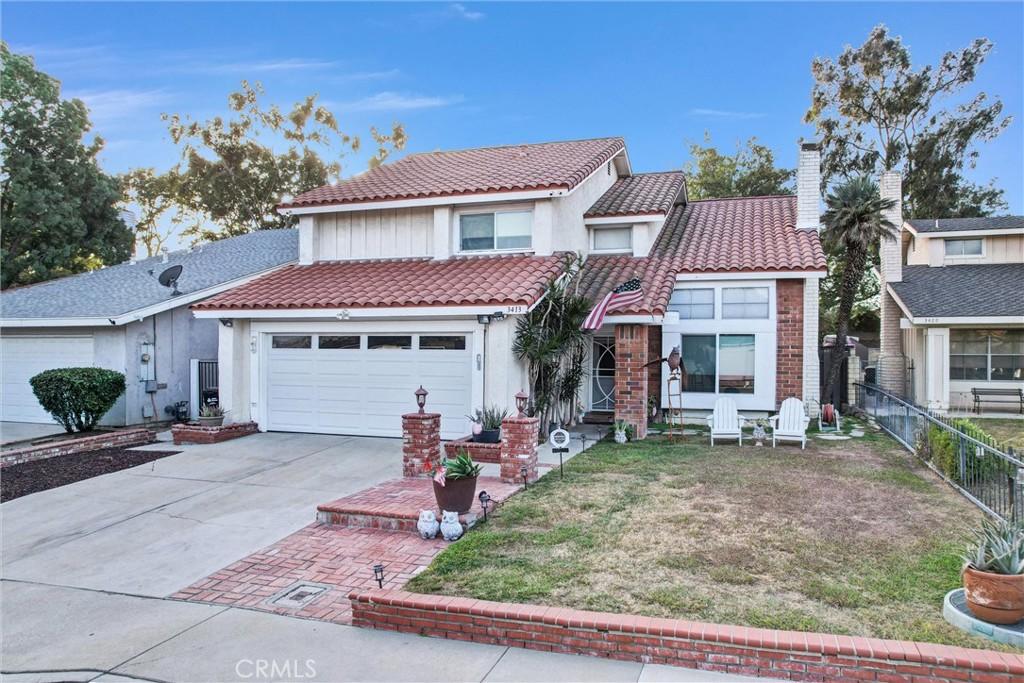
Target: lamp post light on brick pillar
521	398
421	398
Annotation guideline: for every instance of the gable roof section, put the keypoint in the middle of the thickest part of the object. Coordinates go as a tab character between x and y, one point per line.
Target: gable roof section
542	166
118	290
601	274
396	283
743	234
926	225
639	194
981	290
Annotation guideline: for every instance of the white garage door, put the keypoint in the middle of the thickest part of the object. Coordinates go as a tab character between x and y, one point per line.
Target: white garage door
363	383
23	357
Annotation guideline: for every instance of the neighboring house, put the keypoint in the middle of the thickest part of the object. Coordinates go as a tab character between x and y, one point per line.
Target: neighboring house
415	273
955	292
120	317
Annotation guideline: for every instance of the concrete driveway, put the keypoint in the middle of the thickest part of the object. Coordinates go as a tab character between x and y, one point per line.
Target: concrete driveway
11	432
87	568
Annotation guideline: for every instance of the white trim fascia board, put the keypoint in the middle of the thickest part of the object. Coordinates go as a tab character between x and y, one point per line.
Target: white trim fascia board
139	313
344	314
945	234
899	302
479	198
764	275
954	320
625	220
633	319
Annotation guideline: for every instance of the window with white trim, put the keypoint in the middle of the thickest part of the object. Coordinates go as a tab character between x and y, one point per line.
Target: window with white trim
745	303
986	355
970	247
693	304
722	363
613	238
496	231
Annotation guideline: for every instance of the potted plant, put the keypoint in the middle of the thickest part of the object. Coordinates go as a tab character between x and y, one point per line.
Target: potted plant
476	420
993	573
211	416
455	483
489	419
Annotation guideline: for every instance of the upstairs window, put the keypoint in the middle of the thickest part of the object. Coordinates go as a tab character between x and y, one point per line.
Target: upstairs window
693	304
744	302
963	247
499	230
613	239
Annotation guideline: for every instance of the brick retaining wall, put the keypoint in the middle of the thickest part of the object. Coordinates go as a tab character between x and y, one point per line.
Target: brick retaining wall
123	438
790	655
480	452
197	433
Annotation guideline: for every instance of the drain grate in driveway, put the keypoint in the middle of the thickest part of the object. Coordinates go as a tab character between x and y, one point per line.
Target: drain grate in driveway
298	595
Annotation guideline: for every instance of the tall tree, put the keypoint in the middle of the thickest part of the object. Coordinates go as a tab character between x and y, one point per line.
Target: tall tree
854	223
875	112
59	209
235	171
749	172
153	200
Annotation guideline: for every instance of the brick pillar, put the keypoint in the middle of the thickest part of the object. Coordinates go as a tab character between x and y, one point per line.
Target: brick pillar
891	364
518	448
789	340
421	443
631	376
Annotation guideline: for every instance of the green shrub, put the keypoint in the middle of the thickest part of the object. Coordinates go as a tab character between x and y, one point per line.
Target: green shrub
77	397
943	452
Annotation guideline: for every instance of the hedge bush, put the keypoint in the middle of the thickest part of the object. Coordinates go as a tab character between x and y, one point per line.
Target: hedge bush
78	397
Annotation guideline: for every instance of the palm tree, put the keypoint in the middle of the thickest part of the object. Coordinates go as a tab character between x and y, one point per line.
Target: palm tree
854	226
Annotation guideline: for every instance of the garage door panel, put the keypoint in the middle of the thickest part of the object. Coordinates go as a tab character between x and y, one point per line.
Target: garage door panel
23	357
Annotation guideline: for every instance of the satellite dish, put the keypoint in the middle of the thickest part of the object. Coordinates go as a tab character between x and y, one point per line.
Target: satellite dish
169	278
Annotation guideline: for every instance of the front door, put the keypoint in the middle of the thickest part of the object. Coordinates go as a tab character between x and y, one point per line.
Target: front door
602	374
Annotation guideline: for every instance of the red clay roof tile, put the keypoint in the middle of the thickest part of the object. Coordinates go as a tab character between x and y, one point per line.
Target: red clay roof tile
396	283
640	194
548	165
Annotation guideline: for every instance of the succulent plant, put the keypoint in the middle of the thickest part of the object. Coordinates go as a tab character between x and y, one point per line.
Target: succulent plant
461	467
211	411
996	547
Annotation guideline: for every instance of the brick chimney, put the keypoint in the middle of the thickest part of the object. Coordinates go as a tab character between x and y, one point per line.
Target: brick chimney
891	251
808	187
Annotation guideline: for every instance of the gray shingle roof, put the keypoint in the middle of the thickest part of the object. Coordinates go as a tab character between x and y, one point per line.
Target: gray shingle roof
126	287
963	291
957	224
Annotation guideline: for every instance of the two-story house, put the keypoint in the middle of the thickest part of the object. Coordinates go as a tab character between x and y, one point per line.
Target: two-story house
416	272
955	298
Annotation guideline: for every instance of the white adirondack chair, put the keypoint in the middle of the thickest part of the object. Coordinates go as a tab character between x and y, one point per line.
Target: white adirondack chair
725	423
791	422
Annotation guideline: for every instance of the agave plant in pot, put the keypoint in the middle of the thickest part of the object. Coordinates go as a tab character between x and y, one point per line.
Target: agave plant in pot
489	419
993	572
455	483
211	416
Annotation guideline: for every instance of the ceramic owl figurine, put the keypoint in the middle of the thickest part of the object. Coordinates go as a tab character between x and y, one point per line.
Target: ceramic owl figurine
450	527
428	525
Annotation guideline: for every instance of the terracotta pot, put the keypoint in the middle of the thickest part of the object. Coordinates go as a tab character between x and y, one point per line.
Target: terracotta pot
488	436
995	598
457	495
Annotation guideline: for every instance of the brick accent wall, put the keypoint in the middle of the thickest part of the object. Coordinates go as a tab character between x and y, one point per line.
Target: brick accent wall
480	452
124	438
654	371
891	372
197	433
631	377
788	655
789	339
519	448
421	443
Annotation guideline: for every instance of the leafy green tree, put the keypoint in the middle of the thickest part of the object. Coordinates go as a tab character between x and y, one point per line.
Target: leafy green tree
749	172
153	199
854	223
59	209
235	171
875	112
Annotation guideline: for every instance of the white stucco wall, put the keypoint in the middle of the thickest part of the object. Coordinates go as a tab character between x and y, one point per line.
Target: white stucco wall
568	231
931	251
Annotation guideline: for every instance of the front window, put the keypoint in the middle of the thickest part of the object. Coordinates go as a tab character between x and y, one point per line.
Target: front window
721	363
744	302
963	247
494	231
981	355
693	304
698	356
613	239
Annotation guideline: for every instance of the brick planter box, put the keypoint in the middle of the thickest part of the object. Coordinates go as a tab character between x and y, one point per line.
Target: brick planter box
480	452
790	655
193	432
123	438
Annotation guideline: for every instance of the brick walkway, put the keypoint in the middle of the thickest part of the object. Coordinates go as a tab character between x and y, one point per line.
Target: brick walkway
341	558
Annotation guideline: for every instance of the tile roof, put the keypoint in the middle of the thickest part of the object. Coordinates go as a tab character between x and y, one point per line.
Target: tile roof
740	234
397	283
542	166
958	224
643	193
603	273
116	290
989	289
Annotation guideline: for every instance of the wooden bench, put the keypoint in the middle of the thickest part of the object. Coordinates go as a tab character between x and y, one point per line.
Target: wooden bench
1002	395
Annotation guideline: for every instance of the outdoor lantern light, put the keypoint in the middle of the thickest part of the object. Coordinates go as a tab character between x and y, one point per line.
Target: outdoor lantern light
421	397
521	398
524	473
483	319
378	573
485	500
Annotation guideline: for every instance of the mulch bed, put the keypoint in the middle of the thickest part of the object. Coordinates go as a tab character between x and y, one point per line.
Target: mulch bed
41	475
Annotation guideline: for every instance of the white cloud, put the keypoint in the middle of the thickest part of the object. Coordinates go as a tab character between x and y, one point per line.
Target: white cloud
460	11
393	101
112	105
724	114
258	66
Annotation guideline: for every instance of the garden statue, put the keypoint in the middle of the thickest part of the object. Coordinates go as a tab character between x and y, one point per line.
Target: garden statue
428	524
451	529
759	433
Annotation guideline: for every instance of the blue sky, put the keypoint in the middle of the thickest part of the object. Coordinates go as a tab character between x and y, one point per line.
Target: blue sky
474	74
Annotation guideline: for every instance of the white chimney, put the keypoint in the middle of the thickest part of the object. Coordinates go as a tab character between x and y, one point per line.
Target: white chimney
808	187
891	251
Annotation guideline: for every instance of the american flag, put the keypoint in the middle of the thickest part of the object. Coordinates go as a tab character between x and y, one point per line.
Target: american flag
629	292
